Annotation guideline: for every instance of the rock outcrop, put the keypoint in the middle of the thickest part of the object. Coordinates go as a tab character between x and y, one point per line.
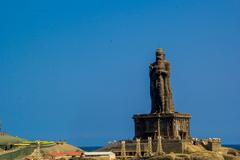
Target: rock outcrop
197	152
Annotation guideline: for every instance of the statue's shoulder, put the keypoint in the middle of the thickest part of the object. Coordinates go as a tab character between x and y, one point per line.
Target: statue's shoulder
152	64
167	62
167	65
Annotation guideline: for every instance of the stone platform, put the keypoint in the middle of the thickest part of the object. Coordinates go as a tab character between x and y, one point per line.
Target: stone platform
176	146
174	126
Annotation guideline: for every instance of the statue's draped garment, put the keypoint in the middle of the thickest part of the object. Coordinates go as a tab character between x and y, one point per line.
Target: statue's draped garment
160	88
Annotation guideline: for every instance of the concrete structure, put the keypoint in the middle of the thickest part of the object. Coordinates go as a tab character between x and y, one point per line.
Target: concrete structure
123	149
131	148
159	146
149	147
138	153
211	144
100	155
64	155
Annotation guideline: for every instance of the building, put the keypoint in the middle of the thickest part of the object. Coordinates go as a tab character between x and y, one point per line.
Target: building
64	155
100	155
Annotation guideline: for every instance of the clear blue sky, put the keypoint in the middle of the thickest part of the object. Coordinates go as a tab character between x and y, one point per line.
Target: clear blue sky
78	70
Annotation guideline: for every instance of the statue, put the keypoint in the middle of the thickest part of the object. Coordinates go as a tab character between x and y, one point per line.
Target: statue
163	120
160	89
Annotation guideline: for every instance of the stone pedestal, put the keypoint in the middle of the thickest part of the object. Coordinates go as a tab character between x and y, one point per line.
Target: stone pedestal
172	125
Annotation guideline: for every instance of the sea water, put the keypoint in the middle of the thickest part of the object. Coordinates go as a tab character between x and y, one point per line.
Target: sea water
234	146
90	148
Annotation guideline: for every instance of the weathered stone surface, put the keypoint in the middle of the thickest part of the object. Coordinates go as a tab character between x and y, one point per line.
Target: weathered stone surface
160	88
228	151
230	157
173	125
190	148
206	155
164	157
183	157
194	156
197	152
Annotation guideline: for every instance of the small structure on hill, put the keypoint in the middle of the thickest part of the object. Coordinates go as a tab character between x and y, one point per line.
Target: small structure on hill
100	155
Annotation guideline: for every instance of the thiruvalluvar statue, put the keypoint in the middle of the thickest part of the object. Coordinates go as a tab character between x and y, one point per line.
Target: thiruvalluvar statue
160	88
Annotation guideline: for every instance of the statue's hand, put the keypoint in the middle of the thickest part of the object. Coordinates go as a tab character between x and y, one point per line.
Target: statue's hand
162	72
151	67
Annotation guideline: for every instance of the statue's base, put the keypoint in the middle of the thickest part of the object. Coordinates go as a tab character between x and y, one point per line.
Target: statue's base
168	146
172	125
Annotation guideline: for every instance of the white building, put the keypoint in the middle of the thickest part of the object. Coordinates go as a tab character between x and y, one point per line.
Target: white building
102	155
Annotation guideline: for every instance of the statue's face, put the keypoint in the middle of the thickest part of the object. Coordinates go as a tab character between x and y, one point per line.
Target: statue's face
160	57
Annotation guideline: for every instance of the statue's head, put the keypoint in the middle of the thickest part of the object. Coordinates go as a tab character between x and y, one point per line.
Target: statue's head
160	54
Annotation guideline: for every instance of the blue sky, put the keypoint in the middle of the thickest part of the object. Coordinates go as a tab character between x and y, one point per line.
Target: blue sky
78	70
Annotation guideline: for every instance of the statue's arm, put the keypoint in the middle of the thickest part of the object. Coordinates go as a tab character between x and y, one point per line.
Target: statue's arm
151	66
168	69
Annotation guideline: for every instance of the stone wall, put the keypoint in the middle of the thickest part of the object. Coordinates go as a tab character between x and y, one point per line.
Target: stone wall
176	146
213	146
172	126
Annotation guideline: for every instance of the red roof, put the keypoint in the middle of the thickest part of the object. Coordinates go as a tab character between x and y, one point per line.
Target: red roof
59	154
73	153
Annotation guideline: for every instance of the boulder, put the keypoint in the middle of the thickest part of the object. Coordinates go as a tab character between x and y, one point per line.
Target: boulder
207	155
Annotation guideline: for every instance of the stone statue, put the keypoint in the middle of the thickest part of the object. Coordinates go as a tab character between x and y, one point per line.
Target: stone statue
163	120
160	88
